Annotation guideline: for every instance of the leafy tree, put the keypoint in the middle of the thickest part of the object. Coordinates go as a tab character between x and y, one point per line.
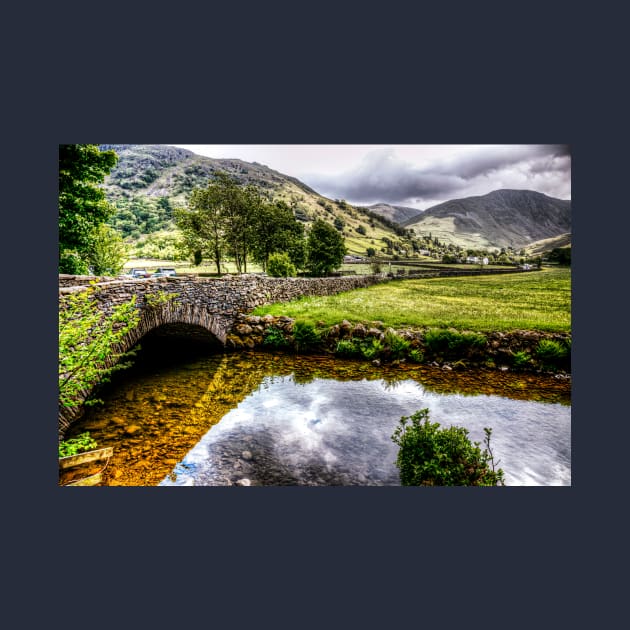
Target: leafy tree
88	343
107	254
161	245
325	249
431	456
82	204
280	265
277	230
72	263
239	206
561	255
219	220
202	225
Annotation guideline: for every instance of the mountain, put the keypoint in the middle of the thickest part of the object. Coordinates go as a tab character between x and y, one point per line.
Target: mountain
546	245
502	218
397	214
151	179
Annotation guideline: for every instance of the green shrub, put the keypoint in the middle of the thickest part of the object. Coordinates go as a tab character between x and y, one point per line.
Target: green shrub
397	345
431	456
279	265
347	348
551	353
304	335
275	338
73	446
452	343
375	267
520	359
371	348
415	355
70	262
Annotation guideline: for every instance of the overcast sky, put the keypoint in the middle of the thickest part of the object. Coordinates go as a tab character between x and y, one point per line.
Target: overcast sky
413	175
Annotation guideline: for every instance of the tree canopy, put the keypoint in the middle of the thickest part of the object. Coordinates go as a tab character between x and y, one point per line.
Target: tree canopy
225	219
82	204
325	249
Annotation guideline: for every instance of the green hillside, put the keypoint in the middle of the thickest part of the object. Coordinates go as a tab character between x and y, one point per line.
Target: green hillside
149	181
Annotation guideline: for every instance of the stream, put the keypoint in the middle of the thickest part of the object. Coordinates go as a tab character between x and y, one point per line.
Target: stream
257	418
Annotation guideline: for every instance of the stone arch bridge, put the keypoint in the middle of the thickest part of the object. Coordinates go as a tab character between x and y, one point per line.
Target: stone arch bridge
206	308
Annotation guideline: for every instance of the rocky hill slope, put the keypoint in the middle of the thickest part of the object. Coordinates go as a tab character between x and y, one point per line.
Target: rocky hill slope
397	214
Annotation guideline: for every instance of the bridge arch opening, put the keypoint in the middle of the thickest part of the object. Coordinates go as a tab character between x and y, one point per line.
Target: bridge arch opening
175	342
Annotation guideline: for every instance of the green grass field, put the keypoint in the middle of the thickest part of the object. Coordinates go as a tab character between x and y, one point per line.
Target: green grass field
522	301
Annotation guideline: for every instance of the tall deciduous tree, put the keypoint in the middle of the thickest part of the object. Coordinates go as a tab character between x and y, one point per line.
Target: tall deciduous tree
226	219
202	224
277	230
325	249
82	204
108	253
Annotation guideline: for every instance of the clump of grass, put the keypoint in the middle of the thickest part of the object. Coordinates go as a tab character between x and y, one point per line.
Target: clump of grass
451	343
372	349
304	335
551	353
275	338
75	445
396	344
415	355
347	348
520	359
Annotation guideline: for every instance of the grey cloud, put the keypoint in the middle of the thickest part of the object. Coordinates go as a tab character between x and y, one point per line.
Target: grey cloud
384	177
493	159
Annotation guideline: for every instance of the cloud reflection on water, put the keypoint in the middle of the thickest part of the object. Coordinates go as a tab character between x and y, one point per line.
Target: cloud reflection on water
340	433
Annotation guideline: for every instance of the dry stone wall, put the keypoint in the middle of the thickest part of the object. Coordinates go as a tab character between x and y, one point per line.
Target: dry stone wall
223	297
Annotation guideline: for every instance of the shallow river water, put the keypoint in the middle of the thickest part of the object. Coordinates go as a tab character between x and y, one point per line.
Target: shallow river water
262	419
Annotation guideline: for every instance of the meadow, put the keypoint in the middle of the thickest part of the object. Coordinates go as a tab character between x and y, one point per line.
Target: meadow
537	300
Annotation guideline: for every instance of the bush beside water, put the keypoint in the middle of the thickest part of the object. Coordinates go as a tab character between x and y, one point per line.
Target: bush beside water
434	456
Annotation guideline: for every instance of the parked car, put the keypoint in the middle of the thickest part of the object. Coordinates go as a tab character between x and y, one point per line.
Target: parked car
137	272
162	272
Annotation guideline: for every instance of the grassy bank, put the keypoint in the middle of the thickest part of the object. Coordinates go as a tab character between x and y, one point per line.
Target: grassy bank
528	301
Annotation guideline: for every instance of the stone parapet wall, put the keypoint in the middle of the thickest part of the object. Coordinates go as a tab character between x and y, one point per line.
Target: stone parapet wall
66	280
225	296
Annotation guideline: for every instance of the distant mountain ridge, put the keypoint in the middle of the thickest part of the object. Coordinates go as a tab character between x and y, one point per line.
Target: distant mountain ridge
162	170
501	218
150	180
